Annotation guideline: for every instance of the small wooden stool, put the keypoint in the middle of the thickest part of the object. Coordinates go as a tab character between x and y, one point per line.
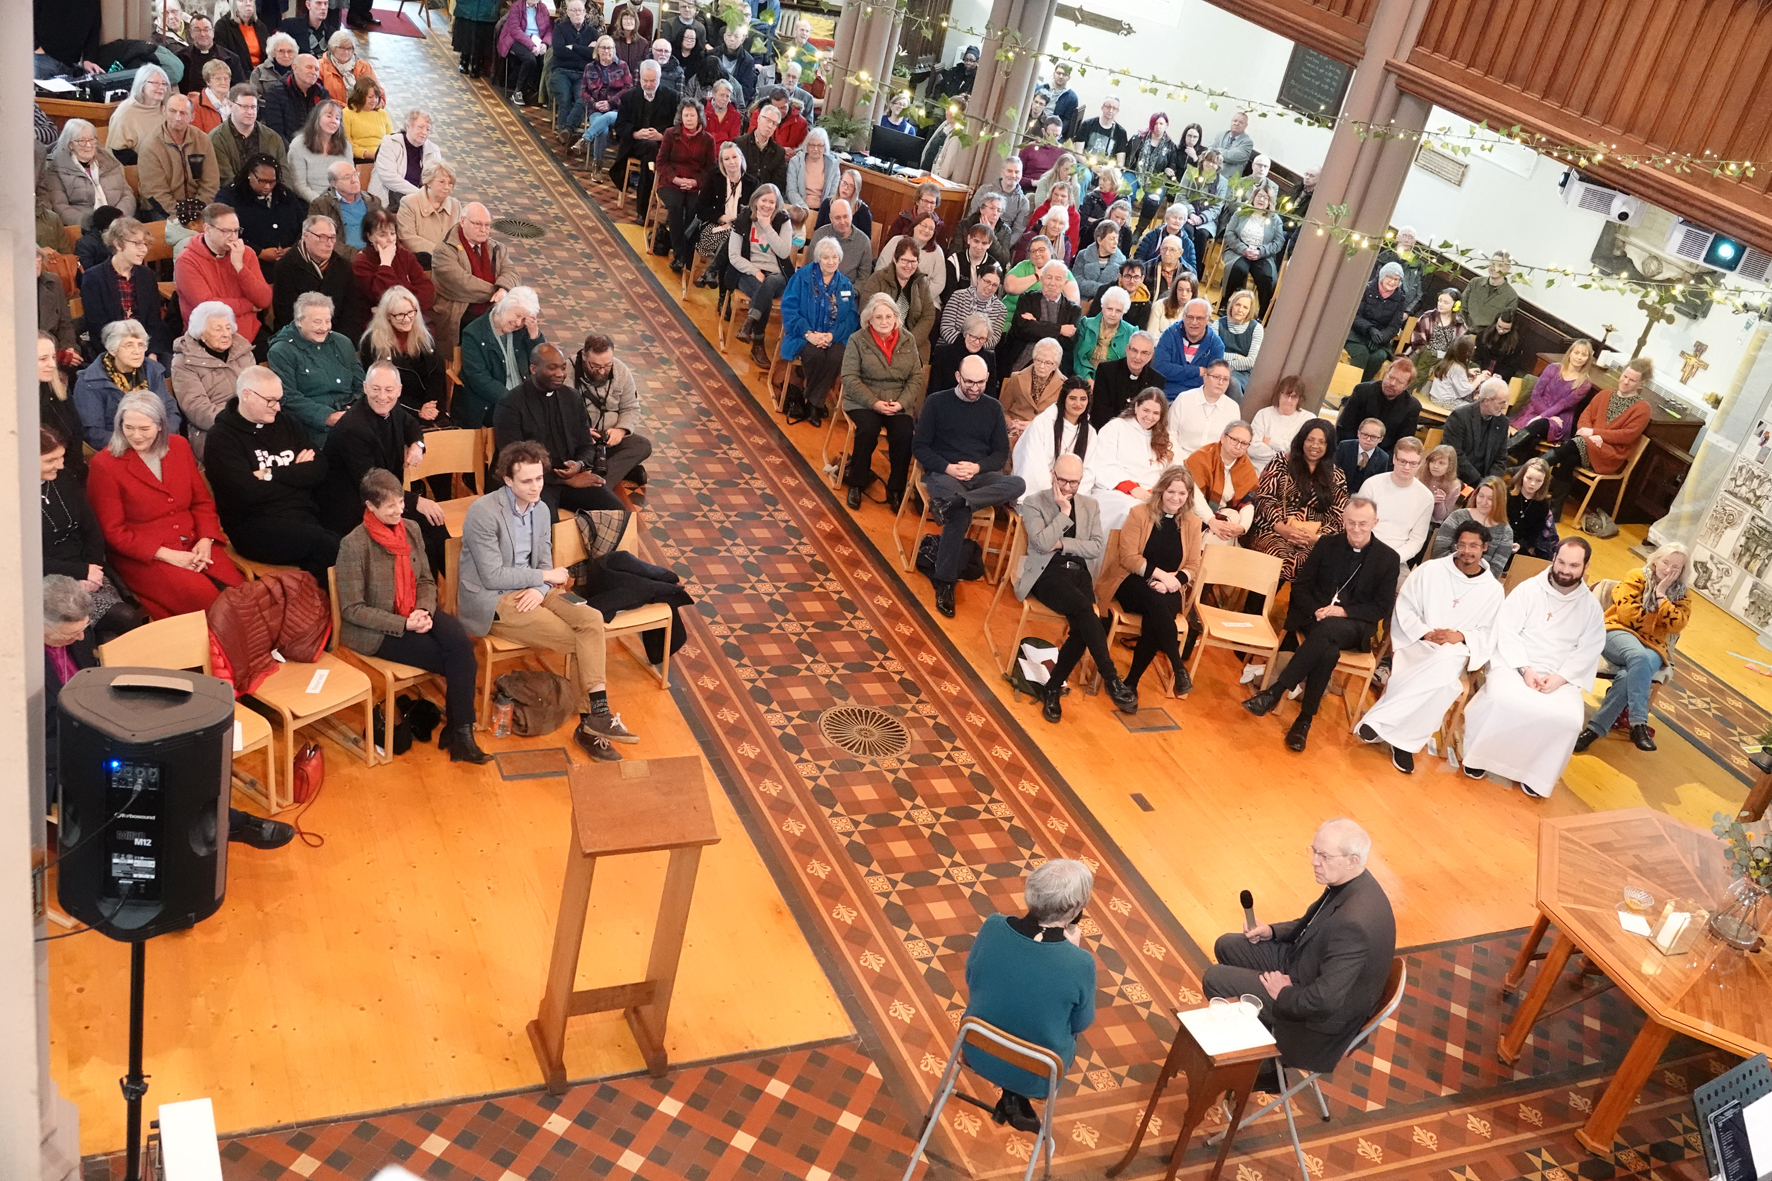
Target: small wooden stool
635	806
1208	1077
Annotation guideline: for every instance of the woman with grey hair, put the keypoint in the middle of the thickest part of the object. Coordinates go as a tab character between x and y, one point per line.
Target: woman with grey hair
140	115
158	518
1380	317
67	609
207	361
1649	608
812	178
124	367
79	176
1031	977
319	367
818	315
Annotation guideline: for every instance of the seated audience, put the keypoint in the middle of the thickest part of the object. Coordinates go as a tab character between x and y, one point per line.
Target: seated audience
1174	225
1198	417
1437	329
974	341
377	432
241	136
544	408
1380	317
642	116
1006	187
173	170
314	266
203	49
1031	978
1490	295
883	387
310	26
812	179
1363	456
1500	351
1389	401
1159	313
397	334
1031	390
818	315
725	194
600	87
893	116
1024	276
1605	435
383	264
1103	337
1133	449
764	155
962	442
1038	157
984	233
55	409
1453	383
510	589
1148	569
79	176
218	266
137	117
285	107
472	274
125	289
1224	485
317	148
1410	260
1440	474
317	367
857	252
760	253
74	543
1206	187
279	59
1043	314
978	298
1528	510
928	199
1185	349
686	155
1274	424
367	121
1098	266
1478	432
523	42
243	32
613	412
1060	429
1343	591
1104	194
1405	504
1487	506
401	160
1241	334
930	260
1064	538
1116	382
387	607
723	116
1257	234
1549	414
426	218
270	213
1317	992
1550	634
158	518
495	352
1300	500
207	362
1648	609
849	189
908	287
1442	630
1059	219
123	368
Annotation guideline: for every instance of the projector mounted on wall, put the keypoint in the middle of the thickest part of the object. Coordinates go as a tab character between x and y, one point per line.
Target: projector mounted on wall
1610	204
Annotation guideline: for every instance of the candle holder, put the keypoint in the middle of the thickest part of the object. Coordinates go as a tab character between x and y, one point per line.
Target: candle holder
1676	929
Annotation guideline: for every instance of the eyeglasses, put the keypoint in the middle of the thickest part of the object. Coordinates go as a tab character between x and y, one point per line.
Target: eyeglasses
1318	855
1233	441
1058	482
317	236
405	315
227	231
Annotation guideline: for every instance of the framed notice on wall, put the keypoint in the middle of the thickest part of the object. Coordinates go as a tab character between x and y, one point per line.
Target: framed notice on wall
1314	83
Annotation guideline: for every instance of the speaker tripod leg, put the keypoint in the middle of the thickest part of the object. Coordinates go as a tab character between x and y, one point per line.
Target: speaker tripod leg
135	1083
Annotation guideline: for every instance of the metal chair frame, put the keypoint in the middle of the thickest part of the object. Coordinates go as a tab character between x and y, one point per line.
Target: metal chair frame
982	1035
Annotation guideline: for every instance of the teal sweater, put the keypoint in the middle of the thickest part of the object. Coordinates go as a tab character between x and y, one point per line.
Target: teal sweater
1040	992
319	380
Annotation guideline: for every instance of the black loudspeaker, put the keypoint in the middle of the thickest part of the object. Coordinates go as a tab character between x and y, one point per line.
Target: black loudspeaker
146	759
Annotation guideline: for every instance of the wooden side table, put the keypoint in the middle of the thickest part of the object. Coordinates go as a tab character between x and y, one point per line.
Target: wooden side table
635	806
1208	1077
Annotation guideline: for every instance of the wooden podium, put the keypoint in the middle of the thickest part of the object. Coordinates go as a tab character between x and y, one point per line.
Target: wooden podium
635	806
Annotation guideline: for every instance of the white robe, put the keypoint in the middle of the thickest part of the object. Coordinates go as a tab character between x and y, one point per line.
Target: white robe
1122	454
1519	732
1033	456
1425	676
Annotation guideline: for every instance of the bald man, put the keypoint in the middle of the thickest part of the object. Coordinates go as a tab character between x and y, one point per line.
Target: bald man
1320	977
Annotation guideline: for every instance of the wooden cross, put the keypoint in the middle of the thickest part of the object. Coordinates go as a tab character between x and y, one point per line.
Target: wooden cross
1693	363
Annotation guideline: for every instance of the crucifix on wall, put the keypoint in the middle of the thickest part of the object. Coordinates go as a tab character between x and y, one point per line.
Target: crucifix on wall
1693	361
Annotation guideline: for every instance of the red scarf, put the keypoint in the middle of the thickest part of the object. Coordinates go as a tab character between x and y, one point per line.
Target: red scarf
886	344
393	539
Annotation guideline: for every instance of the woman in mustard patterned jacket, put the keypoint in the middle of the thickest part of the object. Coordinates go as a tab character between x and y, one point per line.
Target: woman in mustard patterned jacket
1649	608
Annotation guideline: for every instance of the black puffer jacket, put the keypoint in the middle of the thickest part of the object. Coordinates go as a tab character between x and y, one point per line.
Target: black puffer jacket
1379	319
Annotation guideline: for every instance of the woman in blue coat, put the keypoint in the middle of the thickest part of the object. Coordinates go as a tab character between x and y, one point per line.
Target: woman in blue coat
122	368
126	289
818	315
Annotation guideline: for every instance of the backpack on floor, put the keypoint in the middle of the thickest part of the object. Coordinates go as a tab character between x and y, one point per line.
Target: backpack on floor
1599	523
971	558
544	701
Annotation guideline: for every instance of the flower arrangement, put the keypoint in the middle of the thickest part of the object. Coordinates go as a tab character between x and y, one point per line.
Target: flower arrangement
1749	852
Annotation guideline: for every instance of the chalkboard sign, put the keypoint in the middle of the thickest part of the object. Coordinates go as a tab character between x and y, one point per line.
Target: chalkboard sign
1314	84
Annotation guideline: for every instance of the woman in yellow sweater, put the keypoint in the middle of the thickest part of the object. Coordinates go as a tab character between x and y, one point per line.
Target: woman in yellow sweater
1649	608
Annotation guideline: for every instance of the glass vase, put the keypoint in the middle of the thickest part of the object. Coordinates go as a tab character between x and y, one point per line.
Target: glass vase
1744	912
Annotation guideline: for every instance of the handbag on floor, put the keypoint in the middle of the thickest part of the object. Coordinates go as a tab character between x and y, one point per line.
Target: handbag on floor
543	701
310	773
971	558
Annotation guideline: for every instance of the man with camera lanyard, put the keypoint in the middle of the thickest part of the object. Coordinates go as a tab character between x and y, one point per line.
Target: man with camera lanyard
612	408
545	409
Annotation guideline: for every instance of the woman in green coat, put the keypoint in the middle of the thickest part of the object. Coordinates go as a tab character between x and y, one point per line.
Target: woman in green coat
320	371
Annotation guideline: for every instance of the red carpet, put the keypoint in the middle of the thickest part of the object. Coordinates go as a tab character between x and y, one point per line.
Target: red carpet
398	24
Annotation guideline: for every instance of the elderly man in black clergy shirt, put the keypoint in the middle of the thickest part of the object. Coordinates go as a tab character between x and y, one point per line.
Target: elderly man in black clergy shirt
1322	975
547	410
642	115
1348	583
1387	400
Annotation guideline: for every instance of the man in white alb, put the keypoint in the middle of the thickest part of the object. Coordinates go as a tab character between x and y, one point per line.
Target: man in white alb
1444	626
1405	506
1548	640
1198	417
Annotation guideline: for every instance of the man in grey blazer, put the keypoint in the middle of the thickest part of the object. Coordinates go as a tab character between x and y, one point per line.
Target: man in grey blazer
511	589
1064	536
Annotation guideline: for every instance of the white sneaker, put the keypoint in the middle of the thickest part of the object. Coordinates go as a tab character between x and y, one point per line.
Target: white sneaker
1252	672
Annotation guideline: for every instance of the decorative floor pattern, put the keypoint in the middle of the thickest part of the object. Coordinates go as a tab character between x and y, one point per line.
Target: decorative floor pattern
1711	716
891	865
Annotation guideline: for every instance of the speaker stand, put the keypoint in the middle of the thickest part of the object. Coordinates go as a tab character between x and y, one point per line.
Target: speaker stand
135	1083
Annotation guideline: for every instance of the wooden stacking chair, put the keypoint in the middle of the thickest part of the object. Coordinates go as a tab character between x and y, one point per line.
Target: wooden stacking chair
285	693
254	570
1524	566
569	549
1032	610
987	517
1591	480
1238	631
386	677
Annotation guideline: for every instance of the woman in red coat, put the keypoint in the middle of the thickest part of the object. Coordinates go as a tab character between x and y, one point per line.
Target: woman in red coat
156	513
384	263
686	154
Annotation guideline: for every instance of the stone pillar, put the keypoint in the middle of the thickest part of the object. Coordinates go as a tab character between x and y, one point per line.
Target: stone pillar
1316	303
1020	27
867	43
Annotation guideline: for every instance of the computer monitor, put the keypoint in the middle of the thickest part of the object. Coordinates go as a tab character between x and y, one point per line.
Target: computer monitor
896	146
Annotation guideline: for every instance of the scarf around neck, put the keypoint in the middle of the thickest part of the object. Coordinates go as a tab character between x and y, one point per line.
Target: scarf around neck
393	539
126	380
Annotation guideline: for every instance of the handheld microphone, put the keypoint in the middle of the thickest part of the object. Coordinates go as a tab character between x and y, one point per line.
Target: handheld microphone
1248	903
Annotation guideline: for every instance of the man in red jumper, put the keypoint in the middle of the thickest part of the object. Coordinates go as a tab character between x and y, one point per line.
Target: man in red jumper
218	265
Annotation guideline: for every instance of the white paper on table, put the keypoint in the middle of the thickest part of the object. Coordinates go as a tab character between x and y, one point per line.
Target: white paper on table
1636	924
57	86
1226	1029
1222	623
1757	1116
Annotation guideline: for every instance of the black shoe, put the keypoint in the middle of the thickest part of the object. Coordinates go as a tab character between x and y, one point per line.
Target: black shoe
638	475
854	497
939	509
372	20
1402	760
1366	733
1301	730
463	748
1639	734
676	267
893	501
944	598
816	418
1017	1112
1475	773
1263	703
261	832
758	357
1124	696
1587	738
595	745
746	333
1051	698
1184	683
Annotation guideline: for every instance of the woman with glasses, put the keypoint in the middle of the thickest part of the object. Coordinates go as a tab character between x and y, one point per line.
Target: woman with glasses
207	361
79	176
125	289
397	334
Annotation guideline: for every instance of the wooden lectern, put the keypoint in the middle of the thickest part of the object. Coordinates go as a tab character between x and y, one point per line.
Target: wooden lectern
635	806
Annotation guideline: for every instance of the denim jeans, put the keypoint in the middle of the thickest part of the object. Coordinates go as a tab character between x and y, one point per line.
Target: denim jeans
569	109
597	131
1639	663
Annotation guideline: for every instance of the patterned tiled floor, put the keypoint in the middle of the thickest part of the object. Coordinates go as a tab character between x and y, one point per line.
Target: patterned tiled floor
892	865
